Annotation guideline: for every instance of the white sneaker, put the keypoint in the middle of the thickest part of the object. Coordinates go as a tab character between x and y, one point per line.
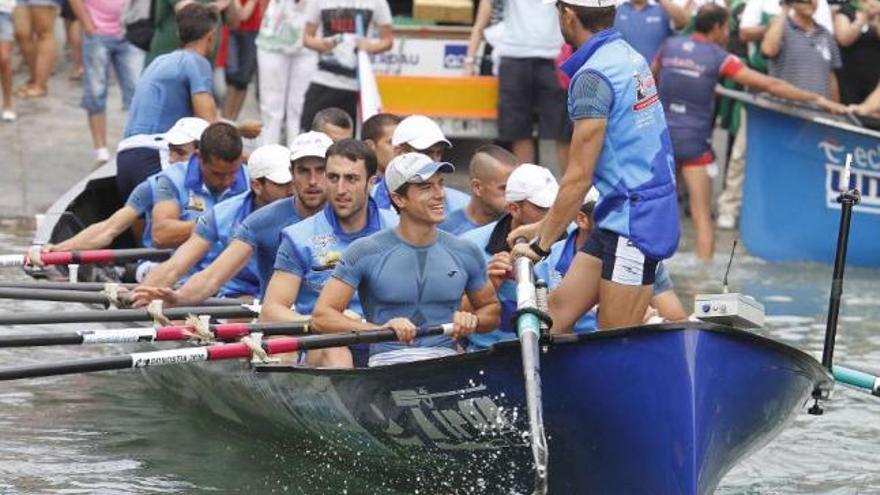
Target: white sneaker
8	116
102	155
726	221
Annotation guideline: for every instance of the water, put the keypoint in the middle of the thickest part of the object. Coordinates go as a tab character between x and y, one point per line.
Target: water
110	433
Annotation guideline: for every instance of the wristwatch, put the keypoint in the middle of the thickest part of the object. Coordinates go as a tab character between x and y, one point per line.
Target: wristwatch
535	246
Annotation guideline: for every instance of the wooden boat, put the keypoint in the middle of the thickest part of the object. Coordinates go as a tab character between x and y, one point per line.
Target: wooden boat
651	409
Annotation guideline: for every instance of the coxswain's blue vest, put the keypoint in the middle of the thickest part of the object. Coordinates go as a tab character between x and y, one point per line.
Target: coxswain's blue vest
227	215
635	171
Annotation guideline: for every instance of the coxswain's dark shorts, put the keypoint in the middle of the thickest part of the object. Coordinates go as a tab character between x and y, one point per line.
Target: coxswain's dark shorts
622	262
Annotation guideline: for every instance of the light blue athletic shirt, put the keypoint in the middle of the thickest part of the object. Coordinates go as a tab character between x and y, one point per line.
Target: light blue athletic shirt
310	249
425	284
183	183
142	199
635	171
262	231
455	199
457	223
216	227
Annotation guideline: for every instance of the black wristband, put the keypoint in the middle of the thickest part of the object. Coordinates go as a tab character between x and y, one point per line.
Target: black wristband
535	246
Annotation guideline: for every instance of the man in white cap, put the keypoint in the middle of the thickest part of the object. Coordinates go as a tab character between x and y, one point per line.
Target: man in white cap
270	180
398	287
621	143
142	155
310	249
531	190
258	235
420	134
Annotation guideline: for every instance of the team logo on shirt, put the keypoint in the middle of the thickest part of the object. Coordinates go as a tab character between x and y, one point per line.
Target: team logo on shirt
196	203
646	91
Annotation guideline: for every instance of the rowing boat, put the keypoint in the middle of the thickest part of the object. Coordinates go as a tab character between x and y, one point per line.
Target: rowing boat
651	409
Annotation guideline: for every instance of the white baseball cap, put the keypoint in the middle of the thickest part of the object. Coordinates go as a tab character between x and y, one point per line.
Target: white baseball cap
271	161
532	183
589	3
312	143
418	131
413	168
186	130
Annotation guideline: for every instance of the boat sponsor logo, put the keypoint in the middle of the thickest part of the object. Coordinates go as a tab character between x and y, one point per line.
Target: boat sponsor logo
459	419
170	356
453	56
865	174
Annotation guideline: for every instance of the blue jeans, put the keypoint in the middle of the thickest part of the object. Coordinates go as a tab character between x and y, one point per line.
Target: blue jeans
99	53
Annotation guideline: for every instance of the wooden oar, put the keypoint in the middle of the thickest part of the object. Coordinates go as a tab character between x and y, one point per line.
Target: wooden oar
223	331
125	315
87	257
212	353
89	286
89	297
528	326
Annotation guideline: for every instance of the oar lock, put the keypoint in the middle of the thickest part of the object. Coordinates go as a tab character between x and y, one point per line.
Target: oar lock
254	341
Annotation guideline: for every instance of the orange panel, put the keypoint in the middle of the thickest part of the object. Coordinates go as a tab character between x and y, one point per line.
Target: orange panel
449	97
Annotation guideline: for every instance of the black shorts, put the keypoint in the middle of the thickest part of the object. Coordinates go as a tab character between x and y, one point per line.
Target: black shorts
530	90
622	262
319	97
133	166
241	62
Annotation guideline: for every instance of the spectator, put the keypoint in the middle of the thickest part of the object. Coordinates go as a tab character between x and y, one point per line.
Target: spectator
241	62
178	84
331	27
73	32
35	32
858	34
646	25
285	68
528	87
377	132
801	51
166	38
871	105
334	122
7	112
487	23
689	67
105	46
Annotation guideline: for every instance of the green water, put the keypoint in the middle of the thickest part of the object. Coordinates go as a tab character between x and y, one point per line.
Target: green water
110	433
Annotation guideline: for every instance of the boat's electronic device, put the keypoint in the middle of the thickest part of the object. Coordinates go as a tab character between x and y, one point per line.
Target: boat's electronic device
733	309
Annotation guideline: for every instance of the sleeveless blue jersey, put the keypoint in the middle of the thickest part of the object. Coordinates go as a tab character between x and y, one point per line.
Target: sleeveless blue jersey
216	227
635	171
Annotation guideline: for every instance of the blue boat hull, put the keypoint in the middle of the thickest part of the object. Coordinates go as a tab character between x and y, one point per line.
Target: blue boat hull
665	409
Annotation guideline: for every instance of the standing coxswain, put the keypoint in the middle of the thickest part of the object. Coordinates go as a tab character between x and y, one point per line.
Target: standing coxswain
270	180
621	144
258	235
412	275
310	250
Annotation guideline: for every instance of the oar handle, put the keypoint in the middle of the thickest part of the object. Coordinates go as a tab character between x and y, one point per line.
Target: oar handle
858	379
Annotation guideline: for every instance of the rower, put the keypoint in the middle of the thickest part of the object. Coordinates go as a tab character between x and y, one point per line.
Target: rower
411	275
270	180
186	191
259	233
529	192
310	249
621	142
335	123
376	132
664	302
419	134
489	169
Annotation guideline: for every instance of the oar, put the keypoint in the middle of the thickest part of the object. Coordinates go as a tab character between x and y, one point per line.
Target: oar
858	379
223	331
125	315
89	297
529	329
89	286
213	353
87	257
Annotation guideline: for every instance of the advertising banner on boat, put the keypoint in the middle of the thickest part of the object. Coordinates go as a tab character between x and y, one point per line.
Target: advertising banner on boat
794	167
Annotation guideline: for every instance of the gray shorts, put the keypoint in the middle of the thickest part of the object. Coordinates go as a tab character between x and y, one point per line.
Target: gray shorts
40	3
6	31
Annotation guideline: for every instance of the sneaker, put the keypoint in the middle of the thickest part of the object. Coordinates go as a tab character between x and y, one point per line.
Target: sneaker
726	221
102	155
8	116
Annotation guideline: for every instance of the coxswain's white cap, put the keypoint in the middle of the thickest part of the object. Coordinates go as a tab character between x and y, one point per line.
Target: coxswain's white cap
531	183
186	130
312	143
271	161
418	131
588	3
413	168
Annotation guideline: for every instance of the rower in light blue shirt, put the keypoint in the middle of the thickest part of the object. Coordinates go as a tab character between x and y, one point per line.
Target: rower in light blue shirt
413	275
